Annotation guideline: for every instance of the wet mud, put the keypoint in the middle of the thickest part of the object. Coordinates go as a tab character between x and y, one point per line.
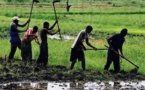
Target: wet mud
17	70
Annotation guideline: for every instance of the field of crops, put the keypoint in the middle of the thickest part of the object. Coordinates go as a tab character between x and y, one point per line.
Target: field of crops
106	17
103	16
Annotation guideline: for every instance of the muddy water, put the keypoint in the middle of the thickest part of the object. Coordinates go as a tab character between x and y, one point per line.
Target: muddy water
120	85
66	37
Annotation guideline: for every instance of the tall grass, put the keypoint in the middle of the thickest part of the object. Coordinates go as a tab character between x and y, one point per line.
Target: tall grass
59	53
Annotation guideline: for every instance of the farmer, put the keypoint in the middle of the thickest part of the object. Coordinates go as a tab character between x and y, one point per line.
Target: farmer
115	43
78	47
14	36
43	56
26	51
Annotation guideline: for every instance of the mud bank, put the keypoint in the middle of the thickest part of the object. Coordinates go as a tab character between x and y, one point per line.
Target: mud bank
21	71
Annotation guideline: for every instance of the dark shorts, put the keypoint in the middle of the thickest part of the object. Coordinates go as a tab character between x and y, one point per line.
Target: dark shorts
43	56
26	51
77	53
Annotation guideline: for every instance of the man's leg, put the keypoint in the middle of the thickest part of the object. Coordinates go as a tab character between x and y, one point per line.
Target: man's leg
108	63
72	64
81	57
43	56
40	55
24	51
29	52
83	64
12	52
73	57
116	64
20	45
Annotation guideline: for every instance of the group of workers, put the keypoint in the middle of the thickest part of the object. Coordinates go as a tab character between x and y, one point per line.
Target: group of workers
115	45
77	50
25	44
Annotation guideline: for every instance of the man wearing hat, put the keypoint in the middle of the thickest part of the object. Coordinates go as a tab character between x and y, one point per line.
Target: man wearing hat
14	36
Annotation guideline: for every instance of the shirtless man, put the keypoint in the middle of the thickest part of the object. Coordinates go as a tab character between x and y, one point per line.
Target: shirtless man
43	56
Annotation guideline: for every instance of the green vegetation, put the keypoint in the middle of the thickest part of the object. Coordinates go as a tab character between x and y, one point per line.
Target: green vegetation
106	18
59	53
102	15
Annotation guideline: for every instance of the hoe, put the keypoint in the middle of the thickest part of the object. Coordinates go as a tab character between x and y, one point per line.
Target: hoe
55	1
36	1
133	70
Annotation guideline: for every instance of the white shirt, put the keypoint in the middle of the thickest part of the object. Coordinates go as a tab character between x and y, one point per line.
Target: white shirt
80	37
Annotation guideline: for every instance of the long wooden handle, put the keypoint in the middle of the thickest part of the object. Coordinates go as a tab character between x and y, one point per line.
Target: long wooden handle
30	13
56	18
122	56
98	49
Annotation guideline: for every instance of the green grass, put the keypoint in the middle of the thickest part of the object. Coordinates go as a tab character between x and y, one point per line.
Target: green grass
105	19
59	53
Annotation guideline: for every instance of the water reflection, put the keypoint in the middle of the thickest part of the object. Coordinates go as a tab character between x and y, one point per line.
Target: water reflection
140	85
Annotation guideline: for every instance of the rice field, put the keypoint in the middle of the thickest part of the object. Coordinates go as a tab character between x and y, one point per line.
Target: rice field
105	18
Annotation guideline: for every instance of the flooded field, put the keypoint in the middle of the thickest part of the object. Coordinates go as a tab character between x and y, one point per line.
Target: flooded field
119	85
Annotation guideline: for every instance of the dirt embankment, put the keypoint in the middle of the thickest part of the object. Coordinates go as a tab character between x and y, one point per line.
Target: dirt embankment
17	70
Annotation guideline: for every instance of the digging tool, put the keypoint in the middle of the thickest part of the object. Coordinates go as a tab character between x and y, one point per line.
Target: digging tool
98	49
56	15
123	57
36	1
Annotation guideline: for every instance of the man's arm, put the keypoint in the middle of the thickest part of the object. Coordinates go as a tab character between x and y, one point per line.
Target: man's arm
121	50
15	29
32	35
89	44
52	33
37	40
53	25
23	25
